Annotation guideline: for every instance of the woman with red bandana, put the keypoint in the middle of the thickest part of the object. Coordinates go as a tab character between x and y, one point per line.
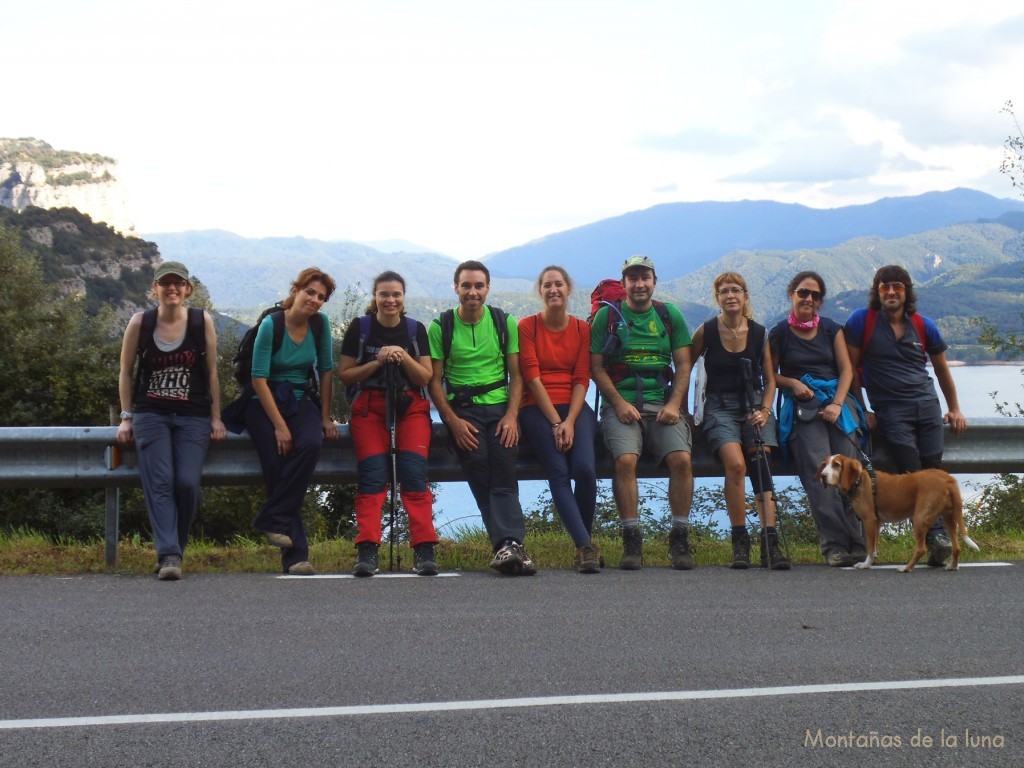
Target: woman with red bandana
814	376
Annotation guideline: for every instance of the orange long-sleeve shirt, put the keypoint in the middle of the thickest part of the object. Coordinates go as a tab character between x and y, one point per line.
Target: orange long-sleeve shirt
560	358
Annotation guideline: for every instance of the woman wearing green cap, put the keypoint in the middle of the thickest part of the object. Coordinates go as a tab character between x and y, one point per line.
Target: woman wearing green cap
170	409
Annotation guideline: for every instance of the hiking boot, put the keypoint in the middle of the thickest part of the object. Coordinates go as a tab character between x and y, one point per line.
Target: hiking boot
588	559
771	555
740	550
632	549
529	569
277	539
839	559
940	549
509	559
366	559
679	548
423	562
170	568
303	568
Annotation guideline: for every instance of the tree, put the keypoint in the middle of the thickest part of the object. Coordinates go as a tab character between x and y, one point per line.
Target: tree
1013	343
1013	151
59	365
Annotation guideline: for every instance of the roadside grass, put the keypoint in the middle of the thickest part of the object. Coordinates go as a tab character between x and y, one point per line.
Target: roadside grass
25	552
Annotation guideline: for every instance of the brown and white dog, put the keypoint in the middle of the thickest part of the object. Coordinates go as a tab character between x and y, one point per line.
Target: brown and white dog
920	496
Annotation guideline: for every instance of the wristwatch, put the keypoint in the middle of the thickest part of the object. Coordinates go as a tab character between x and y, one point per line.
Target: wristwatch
126	415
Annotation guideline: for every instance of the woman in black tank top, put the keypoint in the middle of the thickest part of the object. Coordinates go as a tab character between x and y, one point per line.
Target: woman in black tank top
171	409
737	414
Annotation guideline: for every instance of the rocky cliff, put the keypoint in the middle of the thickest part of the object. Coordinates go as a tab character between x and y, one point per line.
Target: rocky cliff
32	173
87	259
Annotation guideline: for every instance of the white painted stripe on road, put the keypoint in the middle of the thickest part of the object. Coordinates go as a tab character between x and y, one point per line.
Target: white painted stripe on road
540	701
896	566
382	575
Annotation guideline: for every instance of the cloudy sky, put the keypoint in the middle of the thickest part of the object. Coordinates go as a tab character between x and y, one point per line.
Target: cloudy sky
469	126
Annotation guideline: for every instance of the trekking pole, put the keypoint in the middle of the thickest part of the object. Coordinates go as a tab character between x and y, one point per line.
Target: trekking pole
390	415
746	370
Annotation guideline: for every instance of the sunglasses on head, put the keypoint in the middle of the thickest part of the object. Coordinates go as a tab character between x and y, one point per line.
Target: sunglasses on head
803	293
891	288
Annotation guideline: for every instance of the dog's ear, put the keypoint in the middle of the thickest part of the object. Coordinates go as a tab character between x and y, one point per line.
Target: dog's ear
851	471
821	467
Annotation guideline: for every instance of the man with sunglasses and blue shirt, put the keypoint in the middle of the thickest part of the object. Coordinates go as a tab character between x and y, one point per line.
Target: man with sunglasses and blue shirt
889	347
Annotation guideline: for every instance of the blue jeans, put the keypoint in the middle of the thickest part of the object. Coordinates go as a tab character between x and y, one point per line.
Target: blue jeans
574	507
491	473
170	450
286	477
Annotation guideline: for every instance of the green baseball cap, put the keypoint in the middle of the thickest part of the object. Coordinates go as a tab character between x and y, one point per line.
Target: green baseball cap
641	262
171	268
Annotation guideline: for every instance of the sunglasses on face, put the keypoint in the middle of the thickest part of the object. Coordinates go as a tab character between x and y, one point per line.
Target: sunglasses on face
891	288
168	282
803	293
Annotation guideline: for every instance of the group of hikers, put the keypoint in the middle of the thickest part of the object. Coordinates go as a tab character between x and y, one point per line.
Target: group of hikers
496	382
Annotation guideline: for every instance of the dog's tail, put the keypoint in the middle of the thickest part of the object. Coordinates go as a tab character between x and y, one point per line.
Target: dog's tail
958	504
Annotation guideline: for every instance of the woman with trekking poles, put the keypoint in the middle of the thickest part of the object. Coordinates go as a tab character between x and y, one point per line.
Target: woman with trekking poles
385	364
292	348
554	357
171	409
818	417
738	421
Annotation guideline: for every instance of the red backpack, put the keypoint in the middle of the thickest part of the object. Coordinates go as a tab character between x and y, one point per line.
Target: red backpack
871	319
608	291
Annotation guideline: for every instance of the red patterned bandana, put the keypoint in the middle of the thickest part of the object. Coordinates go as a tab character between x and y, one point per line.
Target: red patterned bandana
809	325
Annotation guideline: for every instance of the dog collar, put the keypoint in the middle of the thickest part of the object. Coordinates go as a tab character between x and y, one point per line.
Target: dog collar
853	488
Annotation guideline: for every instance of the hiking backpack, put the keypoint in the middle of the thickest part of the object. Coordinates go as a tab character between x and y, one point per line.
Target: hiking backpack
365	323
195	329
871	319
243	357
610	293
499	317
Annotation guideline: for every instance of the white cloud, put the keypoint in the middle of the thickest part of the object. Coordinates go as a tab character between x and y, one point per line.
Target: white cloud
470	127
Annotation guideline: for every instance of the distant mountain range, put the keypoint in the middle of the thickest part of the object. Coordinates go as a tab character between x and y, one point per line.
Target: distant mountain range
937	236
965	250
682	237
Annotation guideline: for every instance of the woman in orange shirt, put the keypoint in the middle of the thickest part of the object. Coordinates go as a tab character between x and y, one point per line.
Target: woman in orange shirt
554	356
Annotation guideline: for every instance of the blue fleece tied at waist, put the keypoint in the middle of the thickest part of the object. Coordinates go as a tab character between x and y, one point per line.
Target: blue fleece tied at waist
850	419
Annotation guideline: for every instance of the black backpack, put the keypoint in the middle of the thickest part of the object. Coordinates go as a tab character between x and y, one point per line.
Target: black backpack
195	329
465	395
365	323
243	357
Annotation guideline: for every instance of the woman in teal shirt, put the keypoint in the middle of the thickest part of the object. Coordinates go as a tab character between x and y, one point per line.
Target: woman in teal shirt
288	430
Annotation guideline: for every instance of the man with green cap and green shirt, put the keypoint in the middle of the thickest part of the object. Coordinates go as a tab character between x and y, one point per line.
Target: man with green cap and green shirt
640	362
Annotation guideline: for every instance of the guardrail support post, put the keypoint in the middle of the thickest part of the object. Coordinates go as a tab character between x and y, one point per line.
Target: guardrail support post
113	522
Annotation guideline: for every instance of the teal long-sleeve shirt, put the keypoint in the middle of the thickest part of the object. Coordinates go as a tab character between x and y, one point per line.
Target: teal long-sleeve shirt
292	361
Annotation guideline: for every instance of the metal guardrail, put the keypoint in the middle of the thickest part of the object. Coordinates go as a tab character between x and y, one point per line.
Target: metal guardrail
87	457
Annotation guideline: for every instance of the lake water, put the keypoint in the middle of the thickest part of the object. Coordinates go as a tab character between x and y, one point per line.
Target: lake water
455	505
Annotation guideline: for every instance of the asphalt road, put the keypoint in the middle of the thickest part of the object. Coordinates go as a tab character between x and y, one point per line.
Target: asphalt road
722	660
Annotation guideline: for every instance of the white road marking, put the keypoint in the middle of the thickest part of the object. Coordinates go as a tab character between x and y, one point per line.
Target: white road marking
381	575
895	566
540	701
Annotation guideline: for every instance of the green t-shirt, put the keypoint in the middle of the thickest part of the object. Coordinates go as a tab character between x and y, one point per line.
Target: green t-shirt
476	357
646	348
